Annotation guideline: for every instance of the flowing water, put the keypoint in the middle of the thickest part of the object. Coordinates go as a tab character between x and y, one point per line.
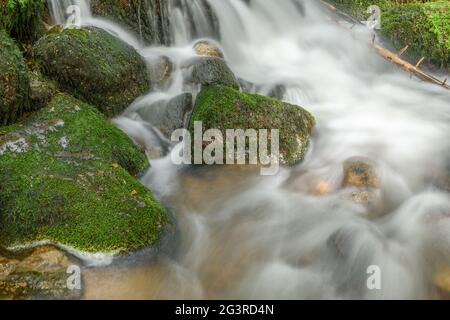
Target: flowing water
246	236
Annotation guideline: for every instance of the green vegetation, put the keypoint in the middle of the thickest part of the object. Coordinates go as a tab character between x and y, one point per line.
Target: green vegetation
22	19
14	81
68	176
224	108
94	66
424	26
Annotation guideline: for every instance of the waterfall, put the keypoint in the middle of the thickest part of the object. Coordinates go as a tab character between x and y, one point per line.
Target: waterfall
58	11
192	20
248	237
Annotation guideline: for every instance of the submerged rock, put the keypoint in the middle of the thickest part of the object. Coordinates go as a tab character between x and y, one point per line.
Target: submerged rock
168	115
221	107
40	275
442	282
361	177
67	175
14	81
213	71
360	172
208	49
94	66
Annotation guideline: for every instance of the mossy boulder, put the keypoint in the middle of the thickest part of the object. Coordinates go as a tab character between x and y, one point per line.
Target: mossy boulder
145	18
94	66
423	26
22	19
14	81
222	107
42	90
68	176
213	71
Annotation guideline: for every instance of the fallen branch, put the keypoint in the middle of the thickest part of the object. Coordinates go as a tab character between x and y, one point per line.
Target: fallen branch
395	57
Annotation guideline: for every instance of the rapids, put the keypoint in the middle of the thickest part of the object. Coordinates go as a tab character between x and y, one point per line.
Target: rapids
246	236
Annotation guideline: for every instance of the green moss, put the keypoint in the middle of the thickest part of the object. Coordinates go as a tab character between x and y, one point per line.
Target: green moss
14	82
42	90
424	27
22	18
94	66
64	185
221	107
358	8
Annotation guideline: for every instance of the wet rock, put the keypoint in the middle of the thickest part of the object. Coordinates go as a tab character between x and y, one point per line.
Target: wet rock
208	49
277	91
442	282
362	180
161	70
44	259
247	86
40	275
213	71
14	81
94	66
221	107
311	183
41	91
71	193
147	19
168	115
360	172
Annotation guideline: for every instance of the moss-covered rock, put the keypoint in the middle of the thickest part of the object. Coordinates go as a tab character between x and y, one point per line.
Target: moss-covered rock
94	66
423	26
213	71
14	81
68	176
22	19
145	18
42	90
221	107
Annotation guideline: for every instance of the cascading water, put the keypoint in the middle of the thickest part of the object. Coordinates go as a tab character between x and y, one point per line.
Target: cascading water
245	236
59	14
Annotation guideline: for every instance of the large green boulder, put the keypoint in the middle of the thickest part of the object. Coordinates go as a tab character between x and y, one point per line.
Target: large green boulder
423	26
68	176
94	66
222	107
22	19
14	81
146	18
